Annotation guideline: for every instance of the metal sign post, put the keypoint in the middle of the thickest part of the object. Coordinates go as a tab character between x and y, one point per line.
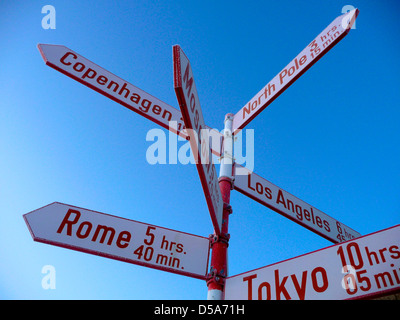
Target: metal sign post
219	265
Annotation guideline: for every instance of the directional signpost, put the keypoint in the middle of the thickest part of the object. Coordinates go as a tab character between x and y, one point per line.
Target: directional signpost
120	239
356	267
281	201
368	266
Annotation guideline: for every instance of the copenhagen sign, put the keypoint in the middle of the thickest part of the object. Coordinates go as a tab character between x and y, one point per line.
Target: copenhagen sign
97	78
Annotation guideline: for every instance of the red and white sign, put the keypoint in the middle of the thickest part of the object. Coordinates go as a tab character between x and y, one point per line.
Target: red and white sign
186	92
120	239
325	41
365	267
281	201
95	77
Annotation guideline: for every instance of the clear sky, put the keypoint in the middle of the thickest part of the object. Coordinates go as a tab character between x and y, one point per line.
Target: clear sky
332	139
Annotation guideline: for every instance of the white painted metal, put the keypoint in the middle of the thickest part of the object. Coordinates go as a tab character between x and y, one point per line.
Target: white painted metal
368	266
121	239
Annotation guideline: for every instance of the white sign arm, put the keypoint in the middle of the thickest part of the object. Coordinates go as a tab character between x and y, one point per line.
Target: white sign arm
291	207
113	87
189	103
120	239
325	41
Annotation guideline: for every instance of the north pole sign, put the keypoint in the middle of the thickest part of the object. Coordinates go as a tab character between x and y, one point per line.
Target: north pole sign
325	41
120	239
368	266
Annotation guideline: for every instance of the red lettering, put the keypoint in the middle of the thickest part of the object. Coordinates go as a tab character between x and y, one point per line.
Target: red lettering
69	223
250	285
268	193
280	286
301	289
62	60
196	120
396	253
192	103
246	110
84	235
296	63
189	82
282	75
105	230
78	67
267	286
249	181
307	215
303	59
259	188
319	221
102	80
124	236
324	277
312	216
280	198
84	229
89	73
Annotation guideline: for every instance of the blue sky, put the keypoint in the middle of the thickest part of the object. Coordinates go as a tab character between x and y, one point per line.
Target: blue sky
332	139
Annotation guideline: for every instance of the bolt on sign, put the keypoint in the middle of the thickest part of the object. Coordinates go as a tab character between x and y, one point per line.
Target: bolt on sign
120	239
365	267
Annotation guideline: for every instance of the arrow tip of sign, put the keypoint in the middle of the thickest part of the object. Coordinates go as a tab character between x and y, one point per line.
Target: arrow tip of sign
176	49
40	47
352	18
44	48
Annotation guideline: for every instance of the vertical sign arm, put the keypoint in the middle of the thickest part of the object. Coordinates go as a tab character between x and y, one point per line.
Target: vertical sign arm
219	266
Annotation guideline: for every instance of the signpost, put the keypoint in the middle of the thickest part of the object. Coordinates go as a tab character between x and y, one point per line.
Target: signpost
325	41
356	267
95	77
188	98
120	239
281	201
366	267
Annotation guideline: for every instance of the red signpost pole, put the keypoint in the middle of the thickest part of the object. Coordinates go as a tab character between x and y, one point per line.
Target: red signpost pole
219	266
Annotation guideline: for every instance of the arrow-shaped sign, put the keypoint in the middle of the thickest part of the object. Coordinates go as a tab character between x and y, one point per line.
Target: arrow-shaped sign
325	41
281	201
186	92
95	77
365	267
120	239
